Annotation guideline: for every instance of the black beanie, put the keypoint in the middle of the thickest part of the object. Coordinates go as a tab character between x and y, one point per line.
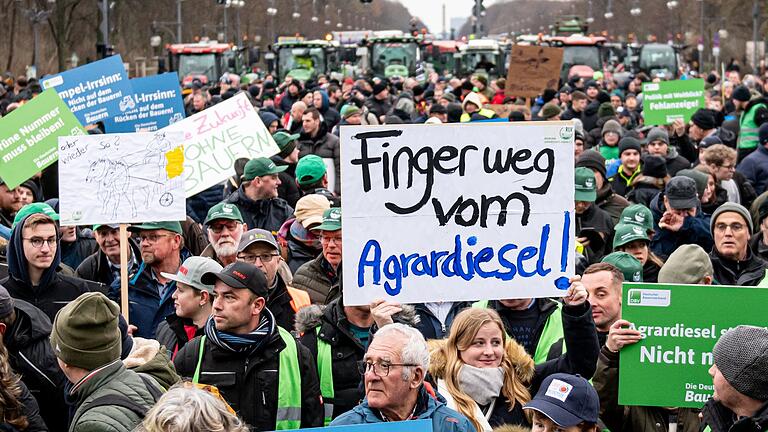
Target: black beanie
704	119
603	97
594	160
741	93
654	166
629	143
379	87
548	95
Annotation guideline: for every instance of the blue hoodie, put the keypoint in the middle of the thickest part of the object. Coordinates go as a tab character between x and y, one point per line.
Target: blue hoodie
331	117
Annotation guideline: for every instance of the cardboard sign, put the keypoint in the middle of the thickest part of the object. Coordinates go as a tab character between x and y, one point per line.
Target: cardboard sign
681	324
29	136
155	104
216	137
532	69
121	178
457	212
93	92
667	101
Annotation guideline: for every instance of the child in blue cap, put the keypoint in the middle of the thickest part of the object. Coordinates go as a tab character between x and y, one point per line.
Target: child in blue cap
565	403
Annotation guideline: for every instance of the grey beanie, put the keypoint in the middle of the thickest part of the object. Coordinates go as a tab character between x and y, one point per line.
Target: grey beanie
657	134
741	355
731	207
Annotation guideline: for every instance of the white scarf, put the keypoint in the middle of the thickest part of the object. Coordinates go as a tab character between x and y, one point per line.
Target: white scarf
481	384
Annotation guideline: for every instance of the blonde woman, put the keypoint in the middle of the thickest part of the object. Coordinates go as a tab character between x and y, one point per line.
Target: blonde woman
488	377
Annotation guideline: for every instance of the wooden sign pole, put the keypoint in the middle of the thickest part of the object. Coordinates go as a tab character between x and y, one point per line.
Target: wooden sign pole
124	271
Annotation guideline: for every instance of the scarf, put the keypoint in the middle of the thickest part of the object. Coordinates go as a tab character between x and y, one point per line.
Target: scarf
242	343
483	385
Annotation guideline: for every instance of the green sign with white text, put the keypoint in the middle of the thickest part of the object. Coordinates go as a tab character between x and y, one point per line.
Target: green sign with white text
29	136
667	101
681	324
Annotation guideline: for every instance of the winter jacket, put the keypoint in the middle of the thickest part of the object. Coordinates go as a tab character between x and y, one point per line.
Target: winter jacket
287	101
30	409
199	203
300	253
268	214
53	290
325	145
621	183
758	247
599	220
443	418
174	332
430	326
279	303
113	379
378	107
742	273
147	308
31	356
645	189
718	418
96	267
612	203
195	239
755	169
694	230
620	418
316	277
148	357
675	162
288	189
249	382
73	254
331	117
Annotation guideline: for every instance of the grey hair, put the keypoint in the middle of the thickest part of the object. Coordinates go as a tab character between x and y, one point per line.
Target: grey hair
415	349
188	409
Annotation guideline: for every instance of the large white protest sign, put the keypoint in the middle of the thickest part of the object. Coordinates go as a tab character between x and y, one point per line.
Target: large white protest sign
216	137
457	212
121	178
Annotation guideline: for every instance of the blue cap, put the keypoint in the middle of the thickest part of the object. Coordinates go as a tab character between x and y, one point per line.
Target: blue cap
567	400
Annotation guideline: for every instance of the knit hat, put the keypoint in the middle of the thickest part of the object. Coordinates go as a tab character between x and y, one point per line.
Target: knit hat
450	97
688	264
550	110
627	233
731	207
637	214
606	110
6	302
85	332
594	160
348	111
379	87
629	143
704	119
612	126
741	355
548	94
629	266
285	142
762	133
699	177
657	134
741	93
654	166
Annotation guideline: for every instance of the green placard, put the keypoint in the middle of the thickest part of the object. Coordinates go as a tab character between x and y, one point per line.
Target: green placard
666	101
681	324
29	136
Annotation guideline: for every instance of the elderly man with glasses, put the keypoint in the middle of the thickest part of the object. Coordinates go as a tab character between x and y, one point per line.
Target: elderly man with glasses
319	276
733	260
225	228
260	248
393	370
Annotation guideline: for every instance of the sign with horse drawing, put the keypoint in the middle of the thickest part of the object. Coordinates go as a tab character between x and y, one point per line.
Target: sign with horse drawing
121	178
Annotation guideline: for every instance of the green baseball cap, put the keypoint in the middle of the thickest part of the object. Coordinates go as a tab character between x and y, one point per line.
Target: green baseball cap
286	142
310	169
223	211
627	233
331	220
637	214
260	167
586	188
173	226
629	266
38	207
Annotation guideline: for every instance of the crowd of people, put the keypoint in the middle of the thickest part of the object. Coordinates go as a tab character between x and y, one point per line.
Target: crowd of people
237	318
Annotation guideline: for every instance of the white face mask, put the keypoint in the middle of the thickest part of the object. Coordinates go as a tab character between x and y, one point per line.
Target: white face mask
481	384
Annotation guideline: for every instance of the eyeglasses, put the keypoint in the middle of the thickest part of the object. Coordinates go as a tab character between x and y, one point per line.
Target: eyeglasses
329	240
728	167
37	242
219	227
265	258
379	369
735	227
152	238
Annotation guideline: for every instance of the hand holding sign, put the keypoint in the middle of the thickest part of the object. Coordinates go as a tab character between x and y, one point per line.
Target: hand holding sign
577	293
382	311
622	334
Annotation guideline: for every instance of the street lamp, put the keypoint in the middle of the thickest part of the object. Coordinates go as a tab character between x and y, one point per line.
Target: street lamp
608	10
672	4
296	14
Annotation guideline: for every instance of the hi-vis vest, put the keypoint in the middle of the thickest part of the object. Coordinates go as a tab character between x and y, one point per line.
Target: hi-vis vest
748	136
483	112
288	384
325	374
553	332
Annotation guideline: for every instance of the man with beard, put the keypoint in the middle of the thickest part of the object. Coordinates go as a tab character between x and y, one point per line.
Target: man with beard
149	292
225	228
10	203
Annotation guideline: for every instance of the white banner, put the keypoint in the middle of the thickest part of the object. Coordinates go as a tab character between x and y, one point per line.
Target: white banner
216	137
121	178
457	212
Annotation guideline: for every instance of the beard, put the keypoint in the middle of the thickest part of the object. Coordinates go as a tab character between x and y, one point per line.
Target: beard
225	249
148	258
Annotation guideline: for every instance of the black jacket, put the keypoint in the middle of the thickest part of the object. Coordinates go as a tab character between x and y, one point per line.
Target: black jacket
266	214
96	266
249	382
721	419
743	273
49	298
288	189
430	326
171	333
325	145
31	356
279	303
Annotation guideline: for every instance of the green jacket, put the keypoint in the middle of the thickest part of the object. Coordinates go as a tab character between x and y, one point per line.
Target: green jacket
111	380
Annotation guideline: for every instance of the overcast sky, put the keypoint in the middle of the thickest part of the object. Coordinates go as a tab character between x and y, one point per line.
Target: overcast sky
430	11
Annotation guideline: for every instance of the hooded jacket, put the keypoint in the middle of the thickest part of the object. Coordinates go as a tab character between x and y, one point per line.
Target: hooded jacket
268	214
694	230
331	117
53	292
31	356
325	145
675	162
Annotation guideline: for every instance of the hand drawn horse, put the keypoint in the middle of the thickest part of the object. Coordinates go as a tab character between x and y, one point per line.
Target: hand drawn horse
114	185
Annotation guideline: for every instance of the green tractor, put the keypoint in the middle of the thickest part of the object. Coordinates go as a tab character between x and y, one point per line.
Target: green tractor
394	56
303	60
